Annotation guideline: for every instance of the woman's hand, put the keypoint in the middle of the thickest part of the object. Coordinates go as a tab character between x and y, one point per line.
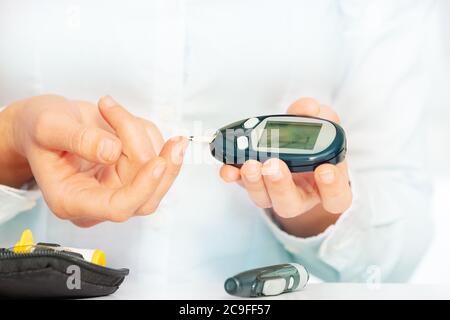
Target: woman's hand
94	164
304	203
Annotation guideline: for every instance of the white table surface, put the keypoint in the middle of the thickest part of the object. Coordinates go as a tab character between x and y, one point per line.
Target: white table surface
321	291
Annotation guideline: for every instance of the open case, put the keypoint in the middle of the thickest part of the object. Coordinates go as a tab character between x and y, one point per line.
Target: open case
46	271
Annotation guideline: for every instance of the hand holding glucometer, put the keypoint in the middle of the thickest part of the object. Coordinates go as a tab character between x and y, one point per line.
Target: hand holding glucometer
293	165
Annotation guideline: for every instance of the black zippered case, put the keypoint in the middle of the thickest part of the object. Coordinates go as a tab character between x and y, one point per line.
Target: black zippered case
54	275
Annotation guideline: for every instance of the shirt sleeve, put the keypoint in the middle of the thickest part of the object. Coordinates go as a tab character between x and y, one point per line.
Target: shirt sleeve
381	103
13	201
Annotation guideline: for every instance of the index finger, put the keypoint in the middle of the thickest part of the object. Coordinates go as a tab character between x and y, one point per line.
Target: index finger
135	140
173	152
230	174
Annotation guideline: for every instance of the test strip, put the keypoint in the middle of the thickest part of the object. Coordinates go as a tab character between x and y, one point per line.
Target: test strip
202	139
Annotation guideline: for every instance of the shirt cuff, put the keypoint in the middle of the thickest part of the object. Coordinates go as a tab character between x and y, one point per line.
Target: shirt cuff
320	253
13	201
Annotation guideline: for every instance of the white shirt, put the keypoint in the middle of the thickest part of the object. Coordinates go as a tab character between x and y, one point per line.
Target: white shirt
205	63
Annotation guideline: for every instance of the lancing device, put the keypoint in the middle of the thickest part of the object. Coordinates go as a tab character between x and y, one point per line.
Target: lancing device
268	281
303	143
26	245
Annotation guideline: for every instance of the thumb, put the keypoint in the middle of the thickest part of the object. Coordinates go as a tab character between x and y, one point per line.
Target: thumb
63	133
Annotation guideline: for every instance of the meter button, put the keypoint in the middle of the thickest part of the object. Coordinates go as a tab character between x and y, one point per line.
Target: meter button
250	123
242	142
274	287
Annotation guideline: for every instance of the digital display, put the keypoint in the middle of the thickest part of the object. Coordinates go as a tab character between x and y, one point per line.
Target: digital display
290	135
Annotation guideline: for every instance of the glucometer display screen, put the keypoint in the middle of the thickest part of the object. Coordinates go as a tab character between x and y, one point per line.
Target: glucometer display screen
290	135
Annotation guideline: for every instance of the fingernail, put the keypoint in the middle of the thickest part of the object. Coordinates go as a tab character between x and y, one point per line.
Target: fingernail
107	150
327	176
159	169
179	153
253	175
109	102
272	170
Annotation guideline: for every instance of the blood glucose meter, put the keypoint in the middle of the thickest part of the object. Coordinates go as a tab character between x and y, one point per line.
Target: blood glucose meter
303	143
